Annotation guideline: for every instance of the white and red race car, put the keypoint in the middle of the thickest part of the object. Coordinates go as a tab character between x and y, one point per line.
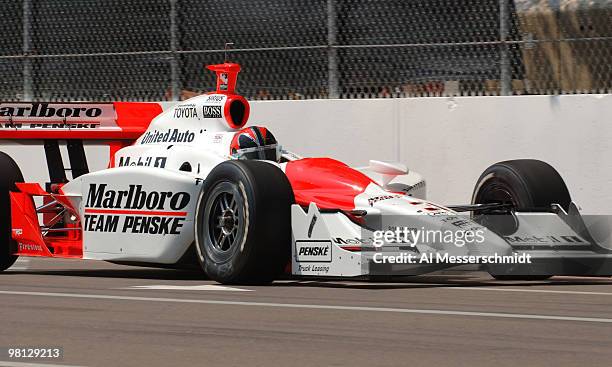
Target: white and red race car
191	184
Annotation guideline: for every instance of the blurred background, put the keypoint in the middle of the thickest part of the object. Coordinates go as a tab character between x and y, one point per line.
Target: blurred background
134	50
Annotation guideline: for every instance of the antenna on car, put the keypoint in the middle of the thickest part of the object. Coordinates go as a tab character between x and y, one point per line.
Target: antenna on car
226	50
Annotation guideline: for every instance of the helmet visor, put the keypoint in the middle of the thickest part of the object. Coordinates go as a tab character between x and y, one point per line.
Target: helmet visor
270	152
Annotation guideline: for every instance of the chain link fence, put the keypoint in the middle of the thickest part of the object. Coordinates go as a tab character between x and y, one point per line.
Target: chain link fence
292	49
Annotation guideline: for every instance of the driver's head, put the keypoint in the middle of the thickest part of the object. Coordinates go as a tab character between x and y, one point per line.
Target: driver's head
255	142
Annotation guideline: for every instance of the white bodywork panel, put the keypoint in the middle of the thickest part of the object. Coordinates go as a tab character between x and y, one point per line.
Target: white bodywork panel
136	213
411	183
330	259
321	239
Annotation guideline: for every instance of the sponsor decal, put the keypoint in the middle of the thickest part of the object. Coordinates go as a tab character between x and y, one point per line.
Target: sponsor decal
170	136
159	162
460	222
224	79
217	138
215	98
49	125
47	110
211	112
185	111
134	210
133	224
353	241
543	239
135	197
433	210
375	199
313	251
313	268
40	115
27	247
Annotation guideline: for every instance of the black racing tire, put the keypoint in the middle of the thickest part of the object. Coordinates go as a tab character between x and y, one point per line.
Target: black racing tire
243	222
525	184
10	174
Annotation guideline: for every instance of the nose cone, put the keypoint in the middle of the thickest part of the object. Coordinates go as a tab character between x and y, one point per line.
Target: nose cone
433	228
328	183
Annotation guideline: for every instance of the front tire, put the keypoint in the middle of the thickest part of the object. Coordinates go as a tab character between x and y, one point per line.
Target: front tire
523	184
10	174
243	222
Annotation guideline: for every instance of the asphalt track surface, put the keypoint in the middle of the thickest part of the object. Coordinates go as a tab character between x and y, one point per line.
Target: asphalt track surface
111	315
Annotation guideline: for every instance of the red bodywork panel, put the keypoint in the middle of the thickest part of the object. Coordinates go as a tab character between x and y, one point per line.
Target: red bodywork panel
46	240
326	182
134	117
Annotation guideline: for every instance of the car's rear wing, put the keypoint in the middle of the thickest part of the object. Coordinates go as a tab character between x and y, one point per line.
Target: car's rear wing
115	124
98	121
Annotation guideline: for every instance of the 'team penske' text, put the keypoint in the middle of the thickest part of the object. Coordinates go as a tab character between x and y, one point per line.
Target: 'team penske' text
133	224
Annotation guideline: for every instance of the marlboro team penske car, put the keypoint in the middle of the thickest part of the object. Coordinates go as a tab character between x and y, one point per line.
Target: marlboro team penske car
191	184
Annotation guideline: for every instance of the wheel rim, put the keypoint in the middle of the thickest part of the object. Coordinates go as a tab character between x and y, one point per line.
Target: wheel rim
496	194
225	216
502	221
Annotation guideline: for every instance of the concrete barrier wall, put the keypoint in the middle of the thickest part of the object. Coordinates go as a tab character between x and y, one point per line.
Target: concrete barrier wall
449	140
452	140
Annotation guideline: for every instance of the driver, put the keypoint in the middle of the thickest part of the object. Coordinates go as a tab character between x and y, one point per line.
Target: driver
255	142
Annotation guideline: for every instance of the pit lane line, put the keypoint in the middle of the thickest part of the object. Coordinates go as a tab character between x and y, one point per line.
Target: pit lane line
214	287
502	289
318	307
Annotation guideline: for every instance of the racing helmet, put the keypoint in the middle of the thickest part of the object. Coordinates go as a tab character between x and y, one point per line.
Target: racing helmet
255	142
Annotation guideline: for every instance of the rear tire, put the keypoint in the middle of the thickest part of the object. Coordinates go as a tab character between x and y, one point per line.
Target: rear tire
10	174
243	223
524	184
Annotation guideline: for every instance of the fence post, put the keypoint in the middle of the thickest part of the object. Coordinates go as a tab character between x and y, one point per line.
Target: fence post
174	67
504	60
27	41
332	52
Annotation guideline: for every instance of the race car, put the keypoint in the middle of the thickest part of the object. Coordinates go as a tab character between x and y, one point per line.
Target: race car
191	184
